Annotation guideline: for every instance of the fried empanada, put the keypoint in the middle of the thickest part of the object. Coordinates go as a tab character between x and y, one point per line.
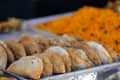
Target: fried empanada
3	57
42	41
59	41
83	56
30	45
10	56
6	78
111	52
101	52
90	52
29	67
17	48
64	55
47	64
58	64
77	62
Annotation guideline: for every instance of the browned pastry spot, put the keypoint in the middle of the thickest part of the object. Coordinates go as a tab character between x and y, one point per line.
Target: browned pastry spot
58	64
29	44
92	55
63	54
10	56
48	66
112	53
77	62
6	78
29	67
3	57
42	41
17	48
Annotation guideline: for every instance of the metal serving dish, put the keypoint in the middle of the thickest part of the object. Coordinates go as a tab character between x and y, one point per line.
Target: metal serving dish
94	73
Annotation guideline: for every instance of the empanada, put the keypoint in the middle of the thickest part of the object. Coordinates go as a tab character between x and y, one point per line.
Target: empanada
3	57
64	55
17	48
10	56
82	55
111	52
101	52
77	62
58	64
29	67
90	52
29	44
47	64
42	41
6	78
59	41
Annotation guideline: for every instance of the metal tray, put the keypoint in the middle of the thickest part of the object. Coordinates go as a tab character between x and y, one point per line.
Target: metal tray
94	73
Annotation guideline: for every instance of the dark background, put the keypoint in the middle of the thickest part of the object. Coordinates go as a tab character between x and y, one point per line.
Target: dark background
36	8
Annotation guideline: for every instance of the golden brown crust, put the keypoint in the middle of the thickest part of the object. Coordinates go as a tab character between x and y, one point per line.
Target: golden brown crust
58	64
112	53
1	74
6	78
42	41
10	56
82	55
29	67
101	51
92	55
17	48
77	62
3	57
63	54
47	64
29	44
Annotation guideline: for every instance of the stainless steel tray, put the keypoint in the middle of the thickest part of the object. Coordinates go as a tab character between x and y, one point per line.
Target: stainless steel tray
93	73
86	74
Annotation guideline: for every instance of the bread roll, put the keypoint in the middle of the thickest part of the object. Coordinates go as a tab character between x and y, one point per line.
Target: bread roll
77	62
3	57
42	41
47	64
29	67
17	48
101	52
63	54
30	45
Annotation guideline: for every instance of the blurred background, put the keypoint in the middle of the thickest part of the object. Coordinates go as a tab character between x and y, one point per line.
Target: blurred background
36	8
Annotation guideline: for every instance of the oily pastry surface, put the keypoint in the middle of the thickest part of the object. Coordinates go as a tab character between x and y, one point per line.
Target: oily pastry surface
29	67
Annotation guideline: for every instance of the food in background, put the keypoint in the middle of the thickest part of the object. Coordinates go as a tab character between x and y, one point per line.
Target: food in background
90	23
12	24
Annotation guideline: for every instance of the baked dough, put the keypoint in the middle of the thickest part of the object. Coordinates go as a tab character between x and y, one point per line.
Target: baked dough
29	44
6	78
3	57
63	54
10	56
17	48
90	52
42	41
82	55
101	52
111	52
47	64
29	67
77	62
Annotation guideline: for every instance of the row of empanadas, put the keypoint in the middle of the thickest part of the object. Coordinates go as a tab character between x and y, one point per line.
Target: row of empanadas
37	56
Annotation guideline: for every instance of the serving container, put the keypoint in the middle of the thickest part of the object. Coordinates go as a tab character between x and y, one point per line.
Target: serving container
94	73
